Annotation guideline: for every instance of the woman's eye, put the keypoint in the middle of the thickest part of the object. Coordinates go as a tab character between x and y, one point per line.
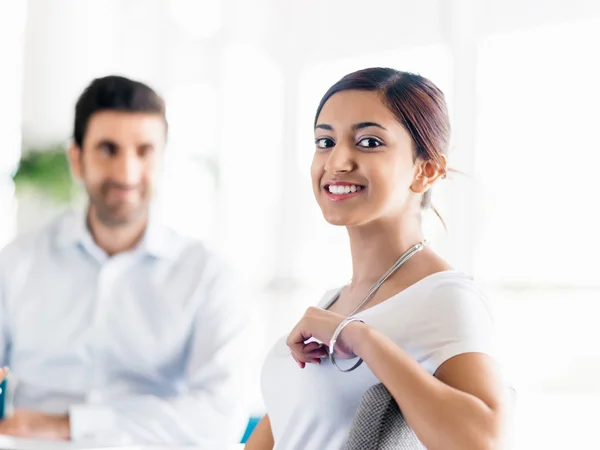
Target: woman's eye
324	143
369	143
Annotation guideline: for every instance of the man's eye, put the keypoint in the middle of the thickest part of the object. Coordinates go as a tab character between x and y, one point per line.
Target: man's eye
145	151
108	149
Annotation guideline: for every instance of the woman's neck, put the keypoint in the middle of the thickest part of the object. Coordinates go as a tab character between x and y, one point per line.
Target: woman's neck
377	246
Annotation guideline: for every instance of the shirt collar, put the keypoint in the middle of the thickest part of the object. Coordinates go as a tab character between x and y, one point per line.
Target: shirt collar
158	240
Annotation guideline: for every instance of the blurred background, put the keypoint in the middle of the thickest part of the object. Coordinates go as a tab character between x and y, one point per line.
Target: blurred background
242	80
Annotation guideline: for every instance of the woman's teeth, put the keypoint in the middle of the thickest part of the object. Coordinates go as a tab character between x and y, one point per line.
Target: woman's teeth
338	189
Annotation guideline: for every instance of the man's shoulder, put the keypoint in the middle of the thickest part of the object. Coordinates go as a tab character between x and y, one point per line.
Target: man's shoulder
190	249
24	245
187	243
200	264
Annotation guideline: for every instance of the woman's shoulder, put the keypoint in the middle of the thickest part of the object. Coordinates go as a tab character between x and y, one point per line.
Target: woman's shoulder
447	291
454	286
455	304
438	296
455	317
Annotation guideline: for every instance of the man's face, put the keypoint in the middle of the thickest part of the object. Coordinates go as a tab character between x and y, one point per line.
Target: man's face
118	163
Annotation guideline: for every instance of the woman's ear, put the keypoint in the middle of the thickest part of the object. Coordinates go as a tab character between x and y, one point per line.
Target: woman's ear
427	173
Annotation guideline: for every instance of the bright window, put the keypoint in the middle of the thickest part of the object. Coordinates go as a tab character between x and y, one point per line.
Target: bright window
12	25
537	153
189	191
250	159
198	18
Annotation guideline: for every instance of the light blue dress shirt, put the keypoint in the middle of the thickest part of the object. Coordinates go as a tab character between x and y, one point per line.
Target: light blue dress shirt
147	346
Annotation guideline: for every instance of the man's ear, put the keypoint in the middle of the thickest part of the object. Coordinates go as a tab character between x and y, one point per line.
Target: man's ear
428	172
74	155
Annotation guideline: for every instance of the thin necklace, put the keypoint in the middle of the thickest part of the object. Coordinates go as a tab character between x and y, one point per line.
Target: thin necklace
371	292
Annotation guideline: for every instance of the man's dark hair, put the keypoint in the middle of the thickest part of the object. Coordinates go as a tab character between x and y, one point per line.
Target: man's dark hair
114	93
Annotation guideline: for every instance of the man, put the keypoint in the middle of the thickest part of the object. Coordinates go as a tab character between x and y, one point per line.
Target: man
116	329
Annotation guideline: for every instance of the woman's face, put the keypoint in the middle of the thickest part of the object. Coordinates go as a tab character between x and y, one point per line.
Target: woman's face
364	167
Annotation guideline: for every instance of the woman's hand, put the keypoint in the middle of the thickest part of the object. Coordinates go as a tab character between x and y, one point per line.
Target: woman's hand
3	373
319	324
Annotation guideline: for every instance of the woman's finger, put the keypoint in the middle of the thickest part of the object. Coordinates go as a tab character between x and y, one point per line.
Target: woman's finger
311	346
302	332
316	353
301	364
313	358
296	340
300	357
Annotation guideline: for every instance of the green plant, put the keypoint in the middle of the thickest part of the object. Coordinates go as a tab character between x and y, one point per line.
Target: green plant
46	172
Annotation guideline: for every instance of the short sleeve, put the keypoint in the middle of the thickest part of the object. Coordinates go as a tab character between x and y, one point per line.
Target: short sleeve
455	318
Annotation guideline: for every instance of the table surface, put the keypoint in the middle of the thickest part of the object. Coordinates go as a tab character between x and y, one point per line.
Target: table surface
9	443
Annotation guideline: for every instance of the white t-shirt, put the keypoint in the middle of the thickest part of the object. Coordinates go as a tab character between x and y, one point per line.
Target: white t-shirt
441	316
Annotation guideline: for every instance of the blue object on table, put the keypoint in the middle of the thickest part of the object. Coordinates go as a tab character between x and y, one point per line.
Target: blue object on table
2	397
250	428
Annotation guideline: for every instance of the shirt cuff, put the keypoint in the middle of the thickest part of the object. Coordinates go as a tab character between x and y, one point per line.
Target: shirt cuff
92	422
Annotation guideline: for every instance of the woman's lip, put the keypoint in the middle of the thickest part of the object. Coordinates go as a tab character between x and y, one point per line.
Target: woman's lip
341	197
341	183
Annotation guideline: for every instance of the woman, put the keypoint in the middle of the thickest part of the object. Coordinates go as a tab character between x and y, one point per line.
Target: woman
423	330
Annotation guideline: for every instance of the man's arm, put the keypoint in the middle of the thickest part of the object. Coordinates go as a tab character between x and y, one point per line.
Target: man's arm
15	259
215	406
3	345
4	333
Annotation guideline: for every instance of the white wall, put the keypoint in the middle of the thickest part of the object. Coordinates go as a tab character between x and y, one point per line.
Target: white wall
12	26
68	42
506	15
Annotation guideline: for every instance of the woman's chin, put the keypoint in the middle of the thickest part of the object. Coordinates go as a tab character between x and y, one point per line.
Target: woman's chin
341	220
